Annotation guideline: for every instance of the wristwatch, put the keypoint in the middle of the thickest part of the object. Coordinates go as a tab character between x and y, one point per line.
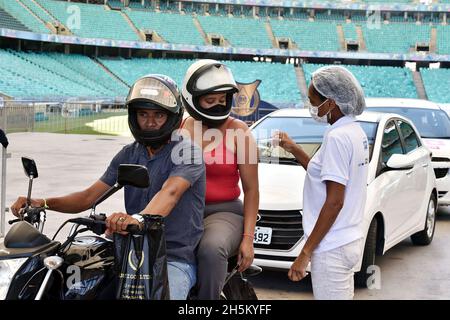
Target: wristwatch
140	219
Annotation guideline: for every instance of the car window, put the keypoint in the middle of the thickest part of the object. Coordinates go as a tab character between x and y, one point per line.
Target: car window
429	122
391	143
305	131
409	136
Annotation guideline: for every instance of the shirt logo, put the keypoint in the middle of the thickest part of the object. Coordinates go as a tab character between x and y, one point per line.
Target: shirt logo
366	162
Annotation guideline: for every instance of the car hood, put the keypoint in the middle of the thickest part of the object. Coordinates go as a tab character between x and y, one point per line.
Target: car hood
439	147
281	186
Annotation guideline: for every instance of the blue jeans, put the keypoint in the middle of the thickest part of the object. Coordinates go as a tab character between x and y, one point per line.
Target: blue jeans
182	277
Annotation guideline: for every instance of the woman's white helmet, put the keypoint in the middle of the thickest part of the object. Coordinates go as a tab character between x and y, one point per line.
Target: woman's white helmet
203	77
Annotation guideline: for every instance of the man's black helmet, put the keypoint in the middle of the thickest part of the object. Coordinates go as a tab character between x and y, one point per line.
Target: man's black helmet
155	92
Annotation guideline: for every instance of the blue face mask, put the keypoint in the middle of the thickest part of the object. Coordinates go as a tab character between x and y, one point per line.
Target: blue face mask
314	111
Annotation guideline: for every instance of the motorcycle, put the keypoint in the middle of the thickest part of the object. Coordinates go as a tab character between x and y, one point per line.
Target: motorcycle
32	266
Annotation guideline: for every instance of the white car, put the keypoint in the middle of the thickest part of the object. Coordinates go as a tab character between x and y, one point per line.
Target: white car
433	125
401	198
445	107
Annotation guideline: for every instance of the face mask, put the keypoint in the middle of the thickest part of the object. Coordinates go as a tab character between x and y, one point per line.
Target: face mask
218	109
314	111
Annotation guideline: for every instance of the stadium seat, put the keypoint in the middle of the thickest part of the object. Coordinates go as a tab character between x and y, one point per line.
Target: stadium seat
45	75
240	32
37	10
395	37
437	82
279	82
373	80
443	39
94	21
23	16
168	26
350	31
313	36
9	22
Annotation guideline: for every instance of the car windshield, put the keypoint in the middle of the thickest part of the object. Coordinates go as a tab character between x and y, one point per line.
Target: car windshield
305	131
430	123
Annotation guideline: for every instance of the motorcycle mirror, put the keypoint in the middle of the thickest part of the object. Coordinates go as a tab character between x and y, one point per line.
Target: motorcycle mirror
127	175
133	175
29	166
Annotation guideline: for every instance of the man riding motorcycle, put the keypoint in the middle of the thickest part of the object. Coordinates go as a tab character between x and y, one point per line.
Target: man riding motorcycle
176	190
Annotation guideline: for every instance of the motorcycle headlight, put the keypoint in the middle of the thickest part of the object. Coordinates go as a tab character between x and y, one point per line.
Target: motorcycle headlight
8	269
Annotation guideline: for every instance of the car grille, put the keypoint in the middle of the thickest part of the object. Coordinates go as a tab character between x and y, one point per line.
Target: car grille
286	227
278	258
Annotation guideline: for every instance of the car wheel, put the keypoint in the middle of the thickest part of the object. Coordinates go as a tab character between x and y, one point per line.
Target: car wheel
424	237
368	260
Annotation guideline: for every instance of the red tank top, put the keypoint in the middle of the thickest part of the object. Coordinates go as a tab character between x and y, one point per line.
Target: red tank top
222	174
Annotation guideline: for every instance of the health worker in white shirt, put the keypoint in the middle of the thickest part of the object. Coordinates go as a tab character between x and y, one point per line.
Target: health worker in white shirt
335	187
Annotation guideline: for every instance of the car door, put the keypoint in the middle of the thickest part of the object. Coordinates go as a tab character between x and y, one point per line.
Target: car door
393	186
419	177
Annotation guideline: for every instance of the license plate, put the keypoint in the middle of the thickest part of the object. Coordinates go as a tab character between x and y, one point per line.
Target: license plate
263	235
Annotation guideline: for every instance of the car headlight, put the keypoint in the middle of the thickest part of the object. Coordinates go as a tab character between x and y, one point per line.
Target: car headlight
8	269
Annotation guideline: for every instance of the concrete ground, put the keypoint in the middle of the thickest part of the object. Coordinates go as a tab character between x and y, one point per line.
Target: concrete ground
68	163
407	272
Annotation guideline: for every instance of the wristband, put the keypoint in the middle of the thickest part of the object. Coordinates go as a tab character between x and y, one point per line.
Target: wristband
45	204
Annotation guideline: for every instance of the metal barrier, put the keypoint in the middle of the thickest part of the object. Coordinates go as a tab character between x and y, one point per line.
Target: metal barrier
82	117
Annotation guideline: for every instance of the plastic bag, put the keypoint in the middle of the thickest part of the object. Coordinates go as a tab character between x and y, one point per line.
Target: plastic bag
238	288
141	263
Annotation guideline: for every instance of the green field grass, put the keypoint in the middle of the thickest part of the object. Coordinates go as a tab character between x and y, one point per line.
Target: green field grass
78	125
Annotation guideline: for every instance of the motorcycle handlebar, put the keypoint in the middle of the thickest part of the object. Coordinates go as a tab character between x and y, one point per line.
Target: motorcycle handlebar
30	215
99	226
14	221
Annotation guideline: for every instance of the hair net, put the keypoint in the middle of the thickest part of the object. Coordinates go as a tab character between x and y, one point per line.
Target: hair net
340	85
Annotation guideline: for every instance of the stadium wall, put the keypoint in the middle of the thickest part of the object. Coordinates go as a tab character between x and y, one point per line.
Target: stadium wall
284	53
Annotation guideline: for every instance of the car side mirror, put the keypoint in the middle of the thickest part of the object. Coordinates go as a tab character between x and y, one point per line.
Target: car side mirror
400	162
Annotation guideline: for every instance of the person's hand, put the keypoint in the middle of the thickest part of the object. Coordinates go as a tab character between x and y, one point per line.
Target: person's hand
246	253
118	222
298	269
283	140
21	202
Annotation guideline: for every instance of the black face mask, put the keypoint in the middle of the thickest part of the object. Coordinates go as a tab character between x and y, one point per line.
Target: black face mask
154	145
217	110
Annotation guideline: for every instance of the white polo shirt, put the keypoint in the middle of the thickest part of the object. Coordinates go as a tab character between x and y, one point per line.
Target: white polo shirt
342	158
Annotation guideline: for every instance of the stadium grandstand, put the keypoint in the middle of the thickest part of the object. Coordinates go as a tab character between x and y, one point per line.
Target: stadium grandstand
93	50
